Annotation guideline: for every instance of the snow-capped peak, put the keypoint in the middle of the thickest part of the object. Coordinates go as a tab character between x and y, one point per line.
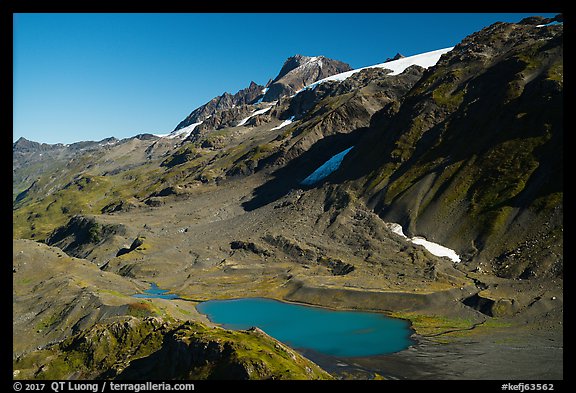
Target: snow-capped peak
427	59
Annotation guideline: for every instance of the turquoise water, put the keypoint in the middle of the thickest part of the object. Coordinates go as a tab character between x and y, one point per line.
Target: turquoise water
336	333
155	292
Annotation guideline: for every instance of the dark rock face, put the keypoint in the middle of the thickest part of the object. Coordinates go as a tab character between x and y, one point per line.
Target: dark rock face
224	102
539	20
76	237
472	158
118	207
299	71
220	119
135	244
249	246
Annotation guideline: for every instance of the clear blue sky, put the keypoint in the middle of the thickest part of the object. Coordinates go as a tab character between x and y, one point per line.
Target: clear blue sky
90	76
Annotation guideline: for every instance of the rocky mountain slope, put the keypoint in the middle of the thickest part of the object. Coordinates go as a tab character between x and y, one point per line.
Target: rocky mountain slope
222	103
298	71
462	146
473	156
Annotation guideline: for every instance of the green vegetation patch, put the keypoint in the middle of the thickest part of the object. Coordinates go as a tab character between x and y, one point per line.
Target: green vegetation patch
184	154
433	325
505	170
448	96
48	322
142	309
105	350
556	71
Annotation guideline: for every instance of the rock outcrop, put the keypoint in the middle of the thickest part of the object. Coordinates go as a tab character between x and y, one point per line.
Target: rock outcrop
79	236
222	103
153	348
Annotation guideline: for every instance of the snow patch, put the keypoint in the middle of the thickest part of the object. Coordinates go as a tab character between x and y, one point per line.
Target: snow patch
434	248
107	143
551	24
263	91
397	229
326	169
182	133
284	124
257	112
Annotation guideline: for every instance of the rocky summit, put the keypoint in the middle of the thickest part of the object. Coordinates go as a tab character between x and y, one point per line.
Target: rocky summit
428	188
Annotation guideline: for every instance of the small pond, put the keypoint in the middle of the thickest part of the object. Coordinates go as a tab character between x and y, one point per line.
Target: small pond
155	292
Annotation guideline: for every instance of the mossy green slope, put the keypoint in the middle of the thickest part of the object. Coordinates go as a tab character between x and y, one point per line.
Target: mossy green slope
473	157
154	348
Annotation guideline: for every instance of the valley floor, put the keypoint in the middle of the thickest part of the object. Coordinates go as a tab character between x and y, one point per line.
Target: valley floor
205	245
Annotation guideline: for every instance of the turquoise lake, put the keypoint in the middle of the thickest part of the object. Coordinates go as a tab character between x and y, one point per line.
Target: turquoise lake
335	333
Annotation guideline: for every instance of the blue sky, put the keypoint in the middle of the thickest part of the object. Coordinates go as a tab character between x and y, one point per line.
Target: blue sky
90	76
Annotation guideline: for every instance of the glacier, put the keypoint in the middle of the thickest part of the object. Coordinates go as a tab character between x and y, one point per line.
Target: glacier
427	59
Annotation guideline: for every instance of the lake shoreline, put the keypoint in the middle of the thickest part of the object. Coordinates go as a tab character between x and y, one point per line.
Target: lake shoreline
332	332
532	341
485	353
486	357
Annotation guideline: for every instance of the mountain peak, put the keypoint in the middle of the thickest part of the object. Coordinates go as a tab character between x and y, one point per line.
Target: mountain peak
20	141
398	56
23	144
293	62
299	71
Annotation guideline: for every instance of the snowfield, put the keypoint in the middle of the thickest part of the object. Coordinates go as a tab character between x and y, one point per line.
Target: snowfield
425	60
